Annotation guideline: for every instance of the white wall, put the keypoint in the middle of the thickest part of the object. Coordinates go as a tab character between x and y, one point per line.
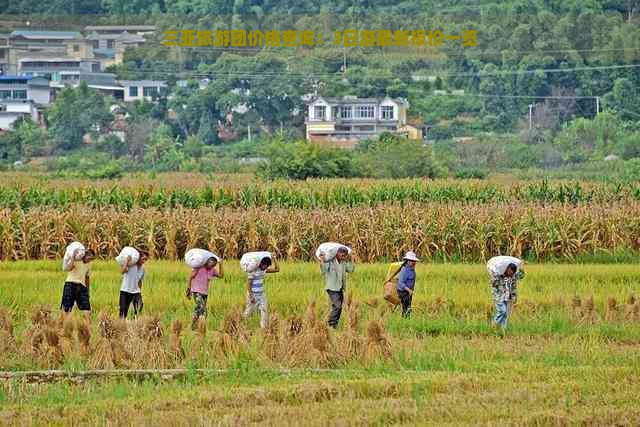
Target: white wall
39	95
319	102
7	119
389	103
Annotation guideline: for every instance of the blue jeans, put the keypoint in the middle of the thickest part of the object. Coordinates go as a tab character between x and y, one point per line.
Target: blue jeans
502	313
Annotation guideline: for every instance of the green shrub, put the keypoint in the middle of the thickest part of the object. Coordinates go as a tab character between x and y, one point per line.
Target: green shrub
302	160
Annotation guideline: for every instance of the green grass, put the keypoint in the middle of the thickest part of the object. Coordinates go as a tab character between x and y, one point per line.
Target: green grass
448	364
463	288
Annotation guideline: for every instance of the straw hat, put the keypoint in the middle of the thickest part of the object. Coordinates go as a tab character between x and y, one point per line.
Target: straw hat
411	256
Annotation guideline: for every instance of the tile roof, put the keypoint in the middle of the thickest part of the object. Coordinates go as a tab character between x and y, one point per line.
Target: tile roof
354	100
62	35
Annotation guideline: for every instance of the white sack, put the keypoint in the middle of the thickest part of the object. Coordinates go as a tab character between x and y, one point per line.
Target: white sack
68	260
329	250
496	266
251	260
128	251
196	258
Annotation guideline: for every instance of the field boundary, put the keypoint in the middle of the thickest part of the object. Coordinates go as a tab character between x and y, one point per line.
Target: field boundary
165	374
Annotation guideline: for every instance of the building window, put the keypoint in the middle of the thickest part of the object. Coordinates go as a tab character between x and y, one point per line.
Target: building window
150	91
2	54
346	112
387	112
95	44
366	128
76	48
320	112
20	94
133	91
95	68
5	94
364	112
110	44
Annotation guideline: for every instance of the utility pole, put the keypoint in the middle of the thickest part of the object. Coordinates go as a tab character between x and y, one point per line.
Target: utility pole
344	60
249	132
597	105
530	116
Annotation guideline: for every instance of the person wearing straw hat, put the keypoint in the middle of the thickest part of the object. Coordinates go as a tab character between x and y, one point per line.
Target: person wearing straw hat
407	282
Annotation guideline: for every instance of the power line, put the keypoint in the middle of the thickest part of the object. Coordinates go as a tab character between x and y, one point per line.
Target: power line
331	75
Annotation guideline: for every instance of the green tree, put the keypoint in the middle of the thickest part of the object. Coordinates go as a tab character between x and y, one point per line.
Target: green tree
76	112
623	99
302	160
162	153
30	138
395	157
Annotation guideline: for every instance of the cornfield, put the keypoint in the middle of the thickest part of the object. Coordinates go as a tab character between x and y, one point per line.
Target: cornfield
313	194
462	232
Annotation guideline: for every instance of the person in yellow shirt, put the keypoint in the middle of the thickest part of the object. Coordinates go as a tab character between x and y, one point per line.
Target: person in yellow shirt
76	286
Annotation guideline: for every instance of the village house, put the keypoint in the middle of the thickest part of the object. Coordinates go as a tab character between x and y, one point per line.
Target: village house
109	42
44	53
12	110
22	88
4	53
346	121
137	90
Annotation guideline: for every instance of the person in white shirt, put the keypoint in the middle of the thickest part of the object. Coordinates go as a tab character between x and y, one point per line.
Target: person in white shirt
131	289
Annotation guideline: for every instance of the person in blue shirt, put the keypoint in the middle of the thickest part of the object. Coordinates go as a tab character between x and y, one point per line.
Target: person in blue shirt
407	282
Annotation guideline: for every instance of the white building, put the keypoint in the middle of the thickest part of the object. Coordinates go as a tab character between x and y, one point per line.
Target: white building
348	120
137	90
11	110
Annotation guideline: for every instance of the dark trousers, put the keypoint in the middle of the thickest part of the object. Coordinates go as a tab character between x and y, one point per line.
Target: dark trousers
336	298
405	299
75	293
126	299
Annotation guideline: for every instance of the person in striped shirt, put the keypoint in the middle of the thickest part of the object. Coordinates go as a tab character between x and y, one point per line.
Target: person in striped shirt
256	298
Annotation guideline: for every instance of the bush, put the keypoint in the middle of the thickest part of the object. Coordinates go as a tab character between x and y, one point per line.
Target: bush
631	171
84	164
113	145
471	173
629	146
302	160
395	157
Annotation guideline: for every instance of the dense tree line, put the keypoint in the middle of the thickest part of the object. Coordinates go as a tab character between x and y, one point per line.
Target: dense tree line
557	59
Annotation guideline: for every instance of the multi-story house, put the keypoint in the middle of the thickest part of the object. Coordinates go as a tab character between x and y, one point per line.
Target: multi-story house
105	83
44	53
110	42
348	120
21	88
4	53
137	90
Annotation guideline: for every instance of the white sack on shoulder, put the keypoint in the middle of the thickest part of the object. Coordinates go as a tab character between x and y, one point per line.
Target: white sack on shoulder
496	266
251	260
128	251
196	258
330	249
68	259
